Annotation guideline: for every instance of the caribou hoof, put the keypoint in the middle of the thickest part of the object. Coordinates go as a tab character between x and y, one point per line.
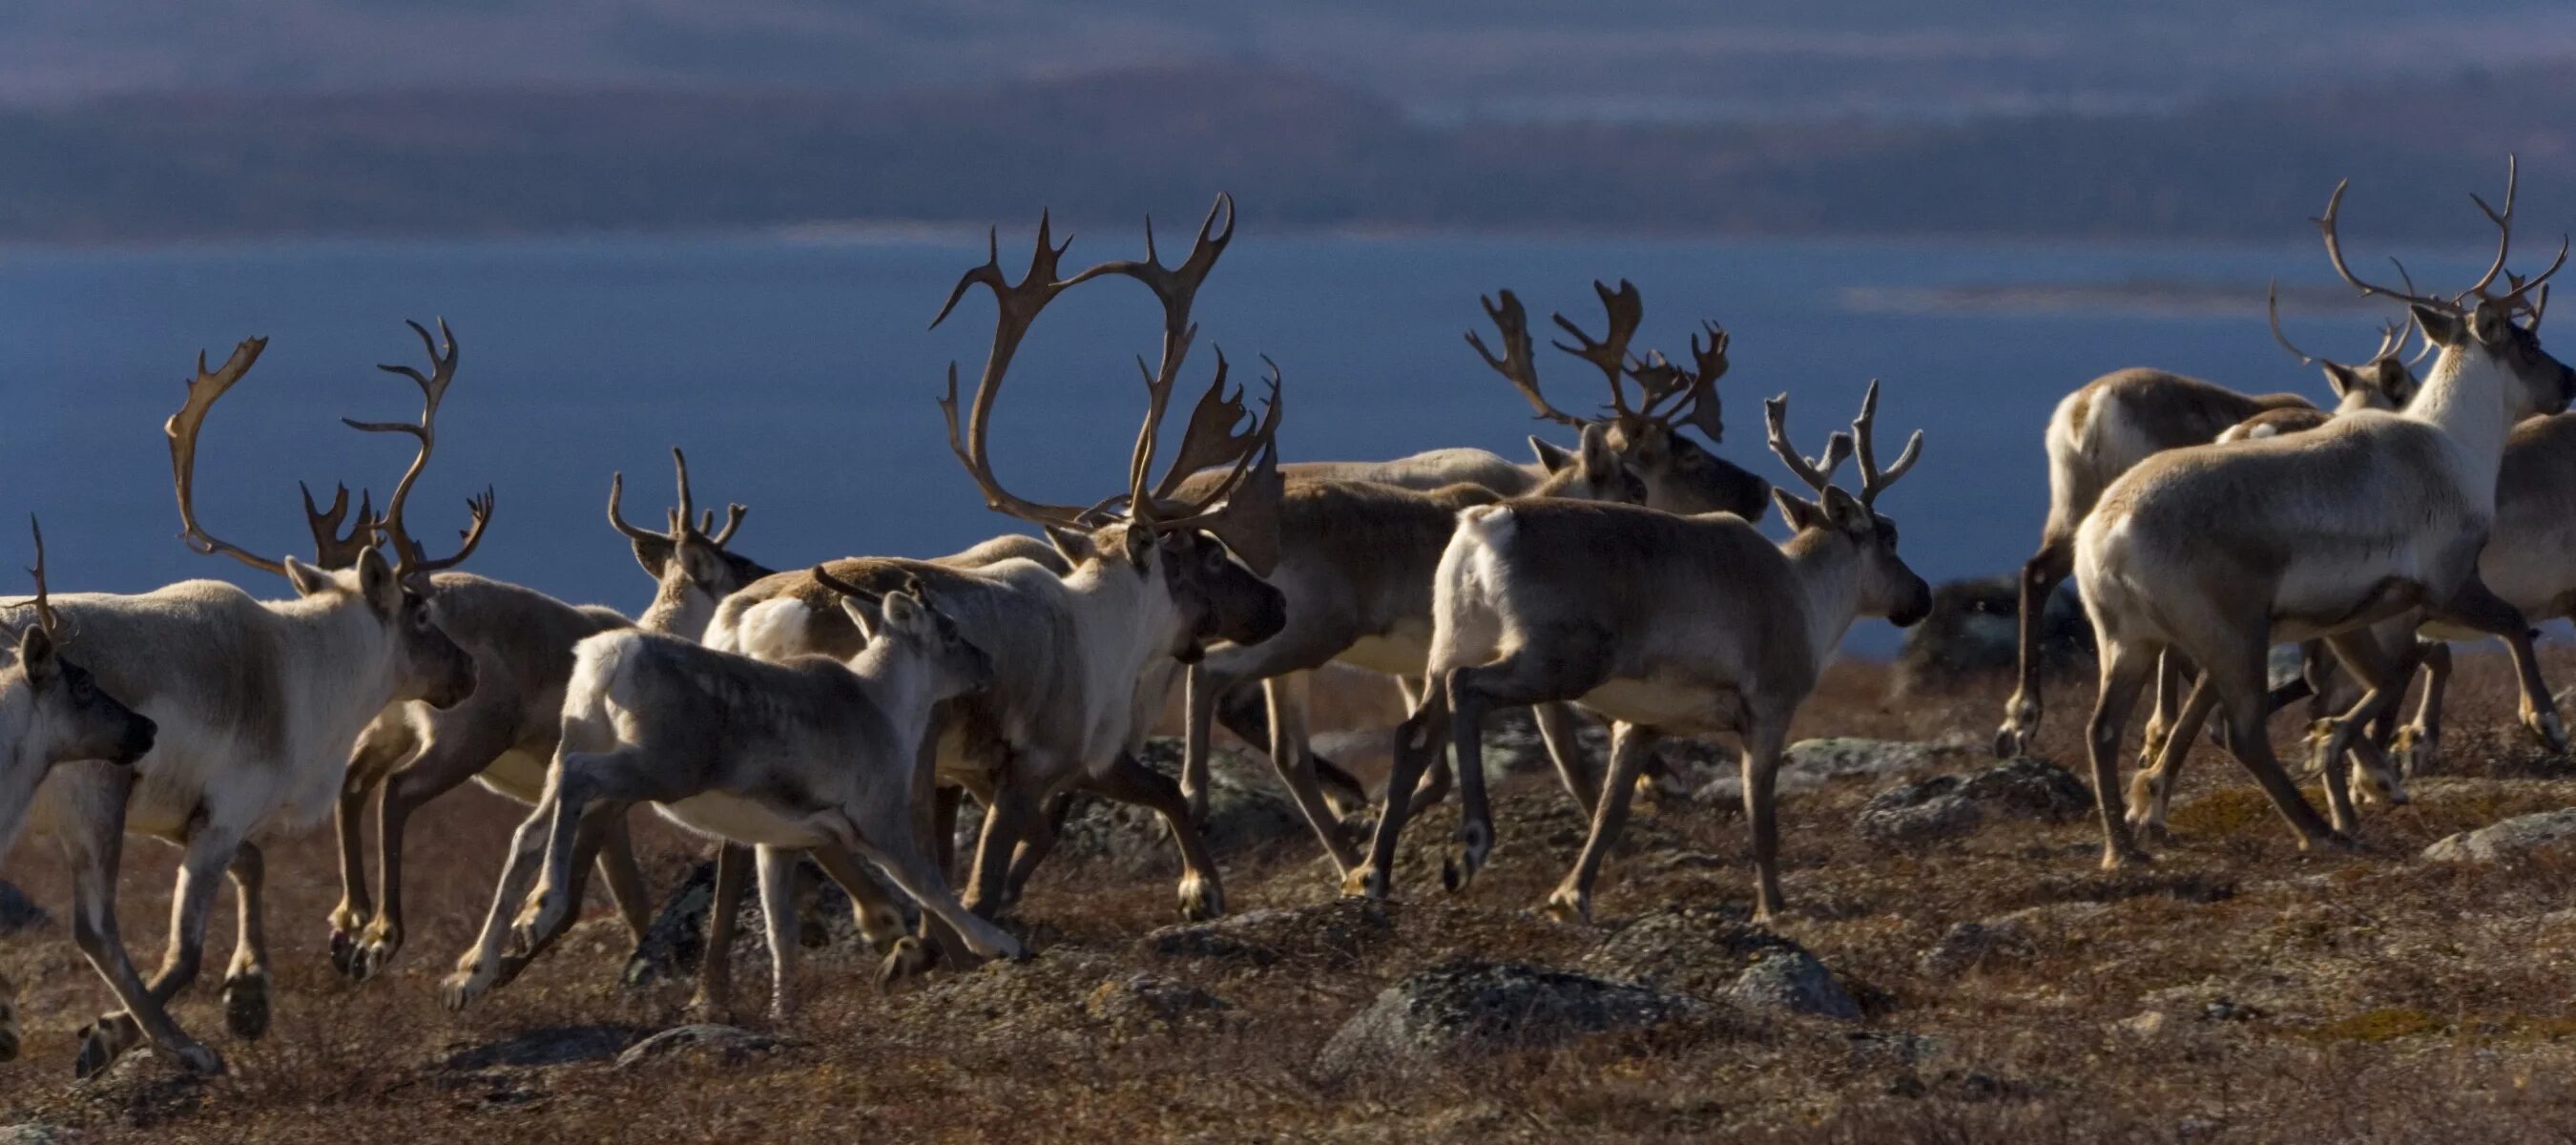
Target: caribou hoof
2544	727
1475	846
1569	905
376	949
1201	899
882	928
909	958
1364	881
459	989
2011	741
2123	856
246	1004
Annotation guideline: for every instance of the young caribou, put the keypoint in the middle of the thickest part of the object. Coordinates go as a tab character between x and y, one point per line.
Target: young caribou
258	703
504	736
2218	551
2120	419
1610	606
813	753
51	711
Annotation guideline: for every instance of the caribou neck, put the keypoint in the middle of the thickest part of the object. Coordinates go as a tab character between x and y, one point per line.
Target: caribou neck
335	630
2464	398
1827	573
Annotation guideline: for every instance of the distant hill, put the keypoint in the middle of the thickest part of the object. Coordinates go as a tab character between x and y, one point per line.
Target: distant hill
1297	149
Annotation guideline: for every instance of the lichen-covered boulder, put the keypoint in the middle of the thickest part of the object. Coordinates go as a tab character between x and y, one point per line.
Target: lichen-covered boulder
1470	1006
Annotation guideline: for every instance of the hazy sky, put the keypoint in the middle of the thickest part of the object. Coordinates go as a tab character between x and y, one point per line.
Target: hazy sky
1657	59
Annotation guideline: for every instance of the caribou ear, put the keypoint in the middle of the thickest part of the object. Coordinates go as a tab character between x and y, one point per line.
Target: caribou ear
2445	328
1802	514
2340	379
1551	456
865	614
2492	323
1844	510
2395	383
376	581
1075	547
307	580
36	656
905	613
1140	548
1600	462
654	555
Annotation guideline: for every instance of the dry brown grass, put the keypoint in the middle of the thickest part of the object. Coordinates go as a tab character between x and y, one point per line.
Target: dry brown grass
2348	998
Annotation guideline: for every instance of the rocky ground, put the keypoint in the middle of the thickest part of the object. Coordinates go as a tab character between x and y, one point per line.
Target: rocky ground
1955	968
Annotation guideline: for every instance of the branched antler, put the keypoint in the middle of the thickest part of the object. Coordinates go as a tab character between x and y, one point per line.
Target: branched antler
43	601
1515	364
1626	309
410	565
183	429
1817	472
677	519
1016	305
1873	480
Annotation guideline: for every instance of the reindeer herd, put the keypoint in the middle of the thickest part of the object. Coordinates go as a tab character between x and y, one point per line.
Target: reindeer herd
843	712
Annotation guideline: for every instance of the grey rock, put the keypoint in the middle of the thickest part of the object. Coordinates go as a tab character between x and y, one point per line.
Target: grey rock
731	1045
1715	956
2508	840
1809	764
33	1133
1464	1006
1968	945
18	912
1974	629
1946	806
1247	808
1329	935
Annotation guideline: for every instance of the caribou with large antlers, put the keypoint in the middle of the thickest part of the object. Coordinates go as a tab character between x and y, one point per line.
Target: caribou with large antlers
258	703
52	711
1148	578
1609	606
2216	552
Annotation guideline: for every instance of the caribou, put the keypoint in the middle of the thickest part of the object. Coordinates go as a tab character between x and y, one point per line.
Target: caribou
1605	605
258	703
504	736
2218	551
2115	421
52	711
814	753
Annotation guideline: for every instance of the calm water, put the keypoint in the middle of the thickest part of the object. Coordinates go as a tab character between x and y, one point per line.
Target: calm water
800	378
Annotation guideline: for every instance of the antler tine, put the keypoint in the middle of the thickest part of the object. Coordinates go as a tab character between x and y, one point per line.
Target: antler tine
2334	254
409	565
1243	509
2504	227
1511	322
1177	287
2539	306
331	548
182	429
2272	304
617	519
1626	309
1817	473
844	588
1211	441
734	513
2541	278
1015	307
1873	480
407	552
43	601
1704	410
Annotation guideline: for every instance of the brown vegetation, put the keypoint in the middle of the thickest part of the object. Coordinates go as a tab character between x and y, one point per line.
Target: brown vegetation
2235	991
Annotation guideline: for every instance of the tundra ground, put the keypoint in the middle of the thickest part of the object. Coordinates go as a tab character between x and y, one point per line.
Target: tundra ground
2236	990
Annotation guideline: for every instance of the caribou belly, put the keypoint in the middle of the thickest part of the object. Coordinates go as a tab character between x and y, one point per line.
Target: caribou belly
516	775
1401	651
740	820
1666	703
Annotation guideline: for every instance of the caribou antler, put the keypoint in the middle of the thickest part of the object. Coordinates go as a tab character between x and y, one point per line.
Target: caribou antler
1209	439
2458	303
1696	387
1016	305
1817	473
43	601
183	428
2392	337
1626	309
677	519
1873	480
333	549
1512	324
409	564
